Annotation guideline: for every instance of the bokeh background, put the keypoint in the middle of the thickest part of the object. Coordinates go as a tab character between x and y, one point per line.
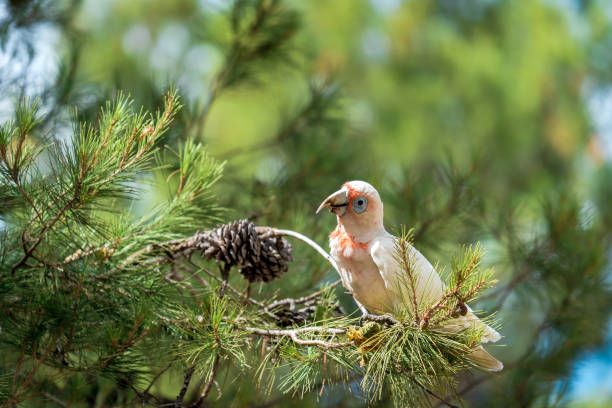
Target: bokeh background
477	120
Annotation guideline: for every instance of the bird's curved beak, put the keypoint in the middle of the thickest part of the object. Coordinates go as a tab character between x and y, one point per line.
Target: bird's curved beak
337	202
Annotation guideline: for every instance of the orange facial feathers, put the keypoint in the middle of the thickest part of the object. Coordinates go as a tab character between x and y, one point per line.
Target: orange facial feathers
346	240
353	194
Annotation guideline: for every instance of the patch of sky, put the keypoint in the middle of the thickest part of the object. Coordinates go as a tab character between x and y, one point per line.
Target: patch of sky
374	44
168	49
29	64
4	13
592	378
94	12
199	64
599	103
137	39
385	7
214	5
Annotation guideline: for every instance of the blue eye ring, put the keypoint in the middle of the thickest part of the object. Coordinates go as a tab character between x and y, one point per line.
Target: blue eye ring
360	204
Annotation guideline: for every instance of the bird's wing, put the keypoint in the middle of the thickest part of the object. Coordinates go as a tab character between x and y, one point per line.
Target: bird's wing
428	286
427	283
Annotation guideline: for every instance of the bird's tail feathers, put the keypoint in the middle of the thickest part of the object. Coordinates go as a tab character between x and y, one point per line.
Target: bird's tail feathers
490	335
485	361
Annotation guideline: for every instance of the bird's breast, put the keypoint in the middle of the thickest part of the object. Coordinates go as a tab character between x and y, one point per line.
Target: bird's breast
358	271
345	245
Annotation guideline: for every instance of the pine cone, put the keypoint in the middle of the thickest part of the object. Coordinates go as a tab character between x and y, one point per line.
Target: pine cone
261	256
288	317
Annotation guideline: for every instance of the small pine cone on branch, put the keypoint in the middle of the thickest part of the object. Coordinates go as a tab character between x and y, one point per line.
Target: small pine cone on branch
261	256
288	317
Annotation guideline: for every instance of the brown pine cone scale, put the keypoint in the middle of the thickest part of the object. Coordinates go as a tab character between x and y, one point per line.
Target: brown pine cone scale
261	257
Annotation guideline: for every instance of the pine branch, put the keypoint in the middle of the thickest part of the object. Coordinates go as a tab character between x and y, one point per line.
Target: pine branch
179	252
443	401
154	379
228	320
293	334
87	185
56	400
304	299
261	29
386	319
179	399
468	280
404	257
311	243
208	385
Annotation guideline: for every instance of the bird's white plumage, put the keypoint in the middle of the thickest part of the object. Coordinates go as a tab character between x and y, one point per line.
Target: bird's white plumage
428	285
364	252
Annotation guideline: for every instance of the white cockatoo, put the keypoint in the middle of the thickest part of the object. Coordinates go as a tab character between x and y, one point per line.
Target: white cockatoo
364	253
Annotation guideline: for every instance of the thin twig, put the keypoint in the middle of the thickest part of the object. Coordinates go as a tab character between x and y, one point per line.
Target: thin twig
293	334
304	299
146	391
55	399
433	394
228	285
424	388
179	399
469	387
448	208
225	271
208	385
380	318
289	233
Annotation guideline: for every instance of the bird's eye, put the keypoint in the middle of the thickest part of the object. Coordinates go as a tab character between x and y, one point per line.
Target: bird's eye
360	204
